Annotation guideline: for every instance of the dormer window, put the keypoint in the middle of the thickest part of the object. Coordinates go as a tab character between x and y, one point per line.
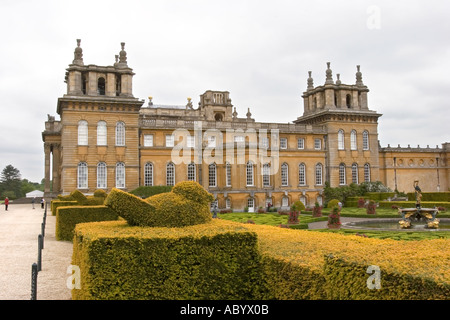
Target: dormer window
101	85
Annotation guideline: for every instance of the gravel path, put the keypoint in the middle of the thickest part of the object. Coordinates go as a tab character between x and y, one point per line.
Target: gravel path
20	227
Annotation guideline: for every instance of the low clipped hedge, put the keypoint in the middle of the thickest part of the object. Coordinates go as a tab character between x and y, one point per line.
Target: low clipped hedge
55	204
68	217
412	204
77	198
431	196
301	264
218	260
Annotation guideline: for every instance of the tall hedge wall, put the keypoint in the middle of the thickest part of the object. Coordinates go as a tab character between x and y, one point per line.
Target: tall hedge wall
216	260
68	217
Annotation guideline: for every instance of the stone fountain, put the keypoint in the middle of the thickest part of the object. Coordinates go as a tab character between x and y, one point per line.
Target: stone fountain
415	214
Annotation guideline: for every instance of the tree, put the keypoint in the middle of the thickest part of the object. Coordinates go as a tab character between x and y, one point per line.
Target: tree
10	181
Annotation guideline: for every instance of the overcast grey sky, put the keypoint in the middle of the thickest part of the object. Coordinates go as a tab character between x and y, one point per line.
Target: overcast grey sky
260	51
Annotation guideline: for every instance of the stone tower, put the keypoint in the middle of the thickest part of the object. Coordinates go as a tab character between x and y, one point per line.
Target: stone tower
98	128
351	141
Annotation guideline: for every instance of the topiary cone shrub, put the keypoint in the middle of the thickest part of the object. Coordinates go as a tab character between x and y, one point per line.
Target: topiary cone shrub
334	219
317	210
371	207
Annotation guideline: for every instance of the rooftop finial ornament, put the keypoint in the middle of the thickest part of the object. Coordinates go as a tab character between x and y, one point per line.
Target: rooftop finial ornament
310	81
78	54
123	55
329	79
359	81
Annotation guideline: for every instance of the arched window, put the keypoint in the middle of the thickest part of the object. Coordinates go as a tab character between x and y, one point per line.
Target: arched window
284	174
191	172
120	175
302	174
319	174
355	178
212	175
365	140
348	101
170	174
228	203
82	133
353	140
101	175
250	180
228	174
367	172
101	133
120	133
82	176
342	174
148	174
341	144
101	85
118	85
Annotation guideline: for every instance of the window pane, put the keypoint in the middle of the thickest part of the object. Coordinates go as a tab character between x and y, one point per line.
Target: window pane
283	143
83	133
101	133
191	172
148	140
148	174
341	145
301	143
169	140
266	175
228	174
318	174
101	175
302	174
170	174
120	175
82	175
120	133
284	175
249	173
212	175
353	140
355	173
342	174
317	144
366	140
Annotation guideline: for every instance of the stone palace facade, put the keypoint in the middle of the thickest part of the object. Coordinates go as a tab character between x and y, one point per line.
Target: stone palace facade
107	138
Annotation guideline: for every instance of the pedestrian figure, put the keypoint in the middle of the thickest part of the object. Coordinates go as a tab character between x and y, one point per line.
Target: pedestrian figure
6	203
32	202
42	203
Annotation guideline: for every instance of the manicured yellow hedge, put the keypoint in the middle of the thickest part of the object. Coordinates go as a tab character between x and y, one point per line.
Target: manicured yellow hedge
68	217
133	209
61	203
187	204
214	261
301	256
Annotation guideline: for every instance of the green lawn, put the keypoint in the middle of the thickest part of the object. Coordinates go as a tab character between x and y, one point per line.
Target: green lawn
271	218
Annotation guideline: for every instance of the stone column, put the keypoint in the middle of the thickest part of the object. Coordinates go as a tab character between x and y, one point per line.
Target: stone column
47	168
55	172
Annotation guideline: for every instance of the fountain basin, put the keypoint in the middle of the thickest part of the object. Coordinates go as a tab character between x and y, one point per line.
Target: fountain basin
393	225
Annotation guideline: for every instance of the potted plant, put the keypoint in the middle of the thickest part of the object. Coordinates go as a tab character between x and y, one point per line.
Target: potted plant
371	207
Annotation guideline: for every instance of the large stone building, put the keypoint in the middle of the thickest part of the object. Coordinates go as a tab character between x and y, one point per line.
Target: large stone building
107	138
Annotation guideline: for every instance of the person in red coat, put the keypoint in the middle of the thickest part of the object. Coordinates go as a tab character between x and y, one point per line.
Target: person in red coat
6	203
